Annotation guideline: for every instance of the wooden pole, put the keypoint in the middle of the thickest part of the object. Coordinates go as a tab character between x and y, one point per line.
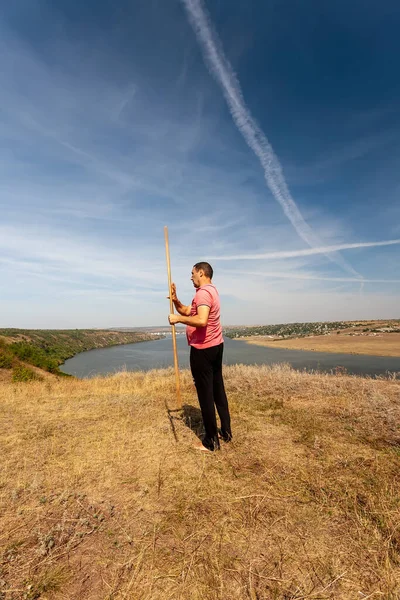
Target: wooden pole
171	309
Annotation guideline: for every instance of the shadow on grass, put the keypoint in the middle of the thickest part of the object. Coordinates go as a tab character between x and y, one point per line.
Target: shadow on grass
191	416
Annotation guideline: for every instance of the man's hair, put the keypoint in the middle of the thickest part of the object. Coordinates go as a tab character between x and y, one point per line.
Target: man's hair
206	268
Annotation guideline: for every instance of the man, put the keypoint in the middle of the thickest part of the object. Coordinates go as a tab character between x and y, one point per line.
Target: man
204	335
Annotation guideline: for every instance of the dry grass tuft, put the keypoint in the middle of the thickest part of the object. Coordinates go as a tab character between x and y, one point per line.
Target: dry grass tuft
98	500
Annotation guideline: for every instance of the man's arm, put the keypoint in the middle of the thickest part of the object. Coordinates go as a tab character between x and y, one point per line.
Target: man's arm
199	320
181	308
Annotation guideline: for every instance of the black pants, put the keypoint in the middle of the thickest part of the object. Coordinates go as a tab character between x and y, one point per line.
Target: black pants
206	367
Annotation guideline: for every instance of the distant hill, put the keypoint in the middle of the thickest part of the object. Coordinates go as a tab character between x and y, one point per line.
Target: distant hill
45	350
150	328
295	330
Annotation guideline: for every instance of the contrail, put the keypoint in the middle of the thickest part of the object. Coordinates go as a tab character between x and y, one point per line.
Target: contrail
223	73
306	276
305	252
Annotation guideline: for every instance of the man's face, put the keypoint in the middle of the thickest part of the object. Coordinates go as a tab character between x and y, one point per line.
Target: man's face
195	278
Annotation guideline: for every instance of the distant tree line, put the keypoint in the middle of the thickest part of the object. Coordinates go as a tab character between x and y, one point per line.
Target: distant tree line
286	329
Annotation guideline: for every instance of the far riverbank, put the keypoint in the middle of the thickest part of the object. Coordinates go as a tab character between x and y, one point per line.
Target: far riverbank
386	344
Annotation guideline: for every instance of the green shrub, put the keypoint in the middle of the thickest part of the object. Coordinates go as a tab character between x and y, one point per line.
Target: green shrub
22	373
34	356
6	361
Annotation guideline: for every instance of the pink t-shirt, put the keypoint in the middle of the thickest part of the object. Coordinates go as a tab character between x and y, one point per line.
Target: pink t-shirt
211	334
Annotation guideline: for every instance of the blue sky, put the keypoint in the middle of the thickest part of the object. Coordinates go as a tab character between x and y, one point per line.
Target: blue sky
265	134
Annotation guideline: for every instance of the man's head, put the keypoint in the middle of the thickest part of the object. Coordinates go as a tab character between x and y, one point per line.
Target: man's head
202	273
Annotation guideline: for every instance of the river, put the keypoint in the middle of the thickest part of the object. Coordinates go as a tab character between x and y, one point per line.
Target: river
158	354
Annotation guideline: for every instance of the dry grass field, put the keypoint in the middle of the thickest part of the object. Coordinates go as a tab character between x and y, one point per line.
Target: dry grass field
103	497
386	344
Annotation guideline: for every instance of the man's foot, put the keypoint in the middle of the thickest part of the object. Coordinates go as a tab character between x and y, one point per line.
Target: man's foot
225	435
208	444
199	446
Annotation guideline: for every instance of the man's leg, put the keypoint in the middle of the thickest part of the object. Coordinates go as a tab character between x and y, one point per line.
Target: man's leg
202	371
220	399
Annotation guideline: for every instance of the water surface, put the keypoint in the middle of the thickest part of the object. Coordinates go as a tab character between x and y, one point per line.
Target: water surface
158	354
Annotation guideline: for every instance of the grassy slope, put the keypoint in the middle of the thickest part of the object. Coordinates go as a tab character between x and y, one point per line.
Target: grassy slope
98	500
47	349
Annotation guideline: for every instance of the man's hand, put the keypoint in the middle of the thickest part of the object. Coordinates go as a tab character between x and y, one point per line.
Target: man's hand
174	297
182	310
173	319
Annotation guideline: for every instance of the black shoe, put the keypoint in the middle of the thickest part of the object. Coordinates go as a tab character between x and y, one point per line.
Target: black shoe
225	435
211	443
